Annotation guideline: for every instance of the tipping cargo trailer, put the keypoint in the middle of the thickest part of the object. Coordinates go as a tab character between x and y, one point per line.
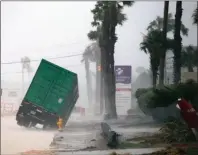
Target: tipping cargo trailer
52	93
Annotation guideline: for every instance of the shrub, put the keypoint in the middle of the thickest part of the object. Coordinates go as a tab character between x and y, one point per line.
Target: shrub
169	151
141	91
144	101
166	96
176	130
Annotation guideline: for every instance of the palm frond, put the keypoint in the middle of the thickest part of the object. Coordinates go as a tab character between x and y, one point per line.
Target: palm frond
128	3
195	16
184	30
93	35
121	18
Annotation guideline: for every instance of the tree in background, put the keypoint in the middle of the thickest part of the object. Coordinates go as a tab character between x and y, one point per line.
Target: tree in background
92	54
157	25
188	57
195	15
108	15
25	61
143	80
87	56
140	69
156	43
150	45
195	21
96	36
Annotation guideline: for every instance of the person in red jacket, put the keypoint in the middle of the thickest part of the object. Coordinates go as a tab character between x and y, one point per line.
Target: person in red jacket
189	114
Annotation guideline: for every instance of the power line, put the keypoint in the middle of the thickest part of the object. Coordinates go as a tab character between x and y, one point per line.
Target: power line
17	62
27	72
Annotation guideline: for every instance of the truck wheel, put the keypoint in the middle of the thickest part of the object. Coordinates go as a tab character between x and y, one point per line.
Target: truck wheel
45	126
26	124
33	124
19	123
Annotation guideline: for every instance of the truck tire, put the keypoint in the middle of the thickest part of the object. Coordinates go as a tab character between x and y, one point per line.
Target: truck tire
33	124
45	126
26	124
19	123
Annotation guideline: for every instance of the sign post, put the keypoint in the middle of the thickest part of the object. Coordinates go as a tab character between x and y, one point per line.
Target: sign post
123	89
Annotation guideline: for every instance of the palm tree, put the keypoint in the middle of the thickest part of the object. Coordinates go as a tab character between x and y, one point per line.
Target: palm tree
195	15
195	21
25	61
188	57
87	56
92	53
158	24
108	15
178	43
163	52
151	45
96	36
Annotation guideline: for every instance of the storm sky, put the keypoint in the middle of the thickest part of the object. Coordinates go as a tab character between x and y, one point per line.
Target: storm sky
55	29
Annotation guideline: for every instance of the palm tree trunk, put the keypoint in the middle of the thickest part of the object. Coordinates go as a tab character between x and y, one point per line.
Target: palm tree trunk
197	50
105	59
89	89
112	12
163	54
178	43
154	79
112	79
107	87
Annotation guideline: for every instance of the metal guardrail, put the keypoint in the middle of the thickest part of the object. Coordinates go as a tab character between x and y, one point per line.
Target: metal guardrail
109	135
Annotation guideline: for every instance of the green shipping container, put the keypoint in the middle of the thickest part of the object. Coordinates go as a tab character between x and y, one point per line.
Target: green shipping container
53	88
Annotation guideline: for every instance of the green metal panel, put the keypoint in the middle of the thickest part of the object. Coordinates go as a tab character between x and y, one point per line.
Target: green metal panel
52	87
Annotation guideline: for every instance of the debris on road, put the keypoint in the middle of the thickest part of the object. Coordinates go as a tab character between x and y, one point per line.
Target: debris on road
169	151
110	135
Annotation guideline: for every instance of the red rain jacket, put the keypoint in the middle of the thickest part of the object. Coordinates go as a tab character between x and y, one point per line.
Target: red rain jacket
188	113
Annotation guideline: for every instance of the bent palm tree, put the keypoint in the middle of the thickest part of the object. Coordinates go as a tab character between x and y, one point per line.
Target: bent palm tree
92	53
88	55
151	45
